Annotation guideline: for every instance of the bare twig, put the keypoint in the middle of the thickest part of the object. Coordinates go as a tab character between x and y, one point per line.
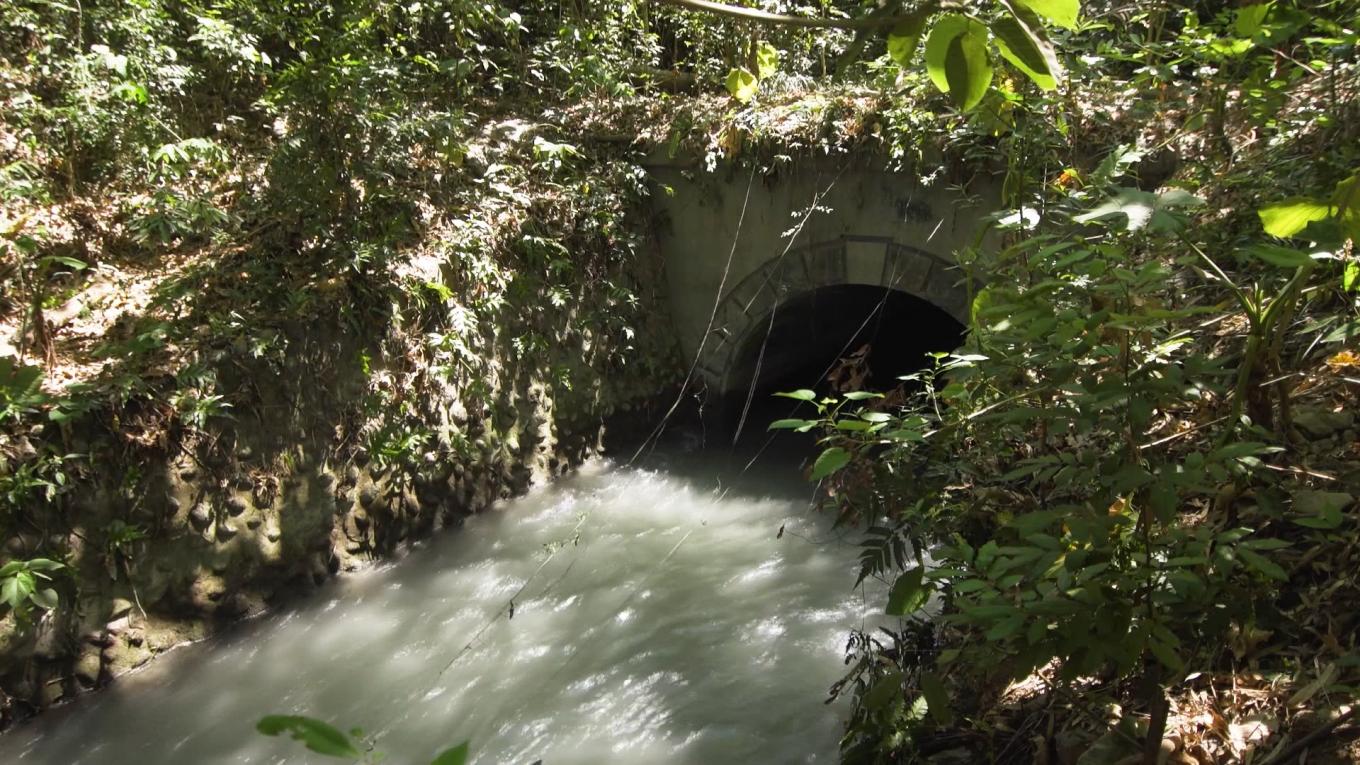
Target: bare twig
1297	747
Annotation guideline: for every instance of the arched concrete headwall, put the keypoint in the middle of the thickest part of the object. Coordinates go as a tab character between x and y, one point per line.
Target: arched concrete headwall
868	226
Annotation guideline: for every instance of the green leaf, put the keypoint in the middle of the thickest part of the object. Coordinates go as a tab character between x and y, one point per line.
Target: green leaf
1343	332
853	425
1166	655
1030	523
884	691
1061	12
742	84
790	424
956	59
828	462
314	734
1321	509
1276	255
861	395
967	70
1262	564
1290	217
455	756
10	594
937	698
802	394
905	38
73	263
909	593
1250	18
1024	45
45	598
1346	204
1005	628
1350	276
767	60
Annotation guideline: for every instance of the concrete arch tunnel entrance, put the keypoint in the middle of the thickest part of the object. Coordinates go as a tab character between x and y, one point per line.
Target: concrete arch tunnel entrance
789	322
770	279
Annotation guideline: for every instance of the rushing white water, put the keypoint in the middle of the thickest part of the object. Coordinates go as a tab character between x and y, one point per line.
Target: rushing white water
670	625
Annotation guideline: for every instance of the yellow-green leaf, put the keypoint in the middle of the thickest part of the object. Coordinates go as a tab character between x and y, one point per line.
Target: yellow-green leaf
767	60
1290	217
905	38
742	84
956	59
1021	41
1250	18
1061	12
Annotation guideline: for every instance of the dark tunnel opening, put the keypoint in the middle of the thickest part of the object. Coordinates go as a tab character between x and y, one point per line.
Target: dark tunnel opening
867	336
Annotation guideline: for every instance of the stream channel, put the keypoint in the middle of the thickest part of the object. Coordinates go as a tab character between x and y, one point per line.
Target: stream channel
657	619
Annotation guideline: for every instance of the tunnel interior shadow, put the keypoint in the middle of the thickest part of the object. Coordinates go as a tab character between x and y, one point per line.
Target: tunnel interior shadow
836	338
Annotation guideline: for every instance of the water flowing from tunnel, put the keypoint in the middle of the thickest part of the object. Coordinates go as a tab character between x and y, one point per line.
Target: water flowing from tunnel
659	619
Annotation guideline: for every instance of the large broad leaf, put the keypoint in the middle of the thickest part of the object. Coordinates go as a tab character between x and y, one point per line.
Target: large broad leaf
314	734
828	462
767	60
455	756
1143	209
909	593
956	59
1061	12
1250	18
742	85
1290	217
1022	42
906	37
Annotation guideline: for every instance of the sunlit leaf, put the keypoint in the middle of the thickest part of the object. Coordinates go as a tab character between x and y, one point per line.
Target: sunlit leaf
767	60
742	85
802	394
1250	18
1290	217
1061	12
905	38
956	59
1021	41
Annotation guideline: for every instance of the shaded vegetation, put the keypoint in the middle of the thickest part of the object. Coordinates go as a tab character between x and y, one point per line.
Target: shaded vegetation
1127	502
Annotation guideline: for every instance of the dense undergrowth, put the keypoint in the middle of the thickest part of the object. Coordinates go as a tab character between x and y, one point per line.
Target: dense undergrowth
1127	503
